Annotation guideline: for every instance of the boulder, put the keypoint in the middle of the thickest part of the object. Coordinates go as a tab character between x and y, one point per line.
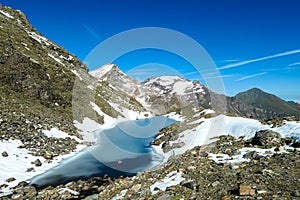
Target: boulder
246	190
37	163
266	138
4	154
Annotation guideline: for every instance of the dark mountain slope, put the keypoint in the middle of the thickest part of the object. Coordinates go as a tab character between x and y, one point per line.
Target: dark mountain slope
260	104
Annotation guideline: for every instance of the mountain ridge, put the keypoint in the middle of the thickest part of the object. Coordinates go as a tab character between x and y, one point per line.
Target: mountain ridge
178	90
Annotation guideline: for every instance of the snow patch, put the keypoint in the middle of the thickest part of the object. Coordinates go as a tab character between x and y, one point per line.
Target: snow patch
90	87
38	38
56	59
69	58
173	178
87	129
77	74
207	111
180	87
289	129
121	195
19	160
142	100
6	14
56	133
175	116
108	120
88	126
212	128
63	190
225	158
129	114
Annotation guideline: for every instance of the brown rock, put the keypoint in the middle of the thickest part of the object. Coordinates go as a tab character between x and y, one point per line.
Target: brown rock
246	190
136	188
48	156
195	153
10	180
227	197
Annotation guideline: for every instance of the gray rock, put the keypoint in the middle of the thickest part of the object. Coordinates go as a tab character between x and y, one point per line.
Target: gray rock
164	197
266	138
30	169
92	197
37	163
4	154
252	155
296	144
48	156
30	192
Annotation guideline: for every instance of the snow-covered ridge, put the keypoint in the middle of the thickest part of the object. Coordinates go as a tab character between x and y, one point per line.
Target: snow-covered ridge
174	85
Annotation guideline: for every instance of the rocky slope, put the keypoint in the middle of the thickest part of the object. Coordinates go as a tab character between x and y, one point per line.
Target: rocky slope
42	87
227	169
36	83
40	82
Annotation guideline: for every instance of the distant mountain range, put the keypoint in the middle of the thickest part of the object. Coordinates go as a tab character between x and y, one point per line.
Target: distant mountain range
170	93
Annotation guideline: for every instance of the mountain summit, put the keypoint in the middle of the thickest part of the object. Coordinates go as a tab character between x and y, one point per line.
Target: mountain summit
265	105
112	74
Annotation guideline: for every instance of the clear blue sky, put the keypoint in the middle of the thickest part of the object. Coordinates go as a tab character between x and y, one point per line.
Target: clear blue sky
254	43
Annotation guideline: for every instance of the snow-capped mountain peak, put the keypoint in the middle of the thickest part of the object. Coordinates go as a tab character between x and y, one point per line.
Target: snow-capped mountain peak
112	74
105	70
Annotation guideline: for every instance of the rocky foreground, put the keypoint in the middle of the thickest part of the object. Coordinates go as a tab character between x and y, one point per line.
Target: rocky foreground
264	167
